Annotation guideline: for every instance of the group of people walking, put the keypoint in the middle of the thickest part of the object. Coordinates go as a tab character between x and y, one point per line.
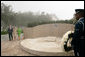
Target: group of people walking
14	32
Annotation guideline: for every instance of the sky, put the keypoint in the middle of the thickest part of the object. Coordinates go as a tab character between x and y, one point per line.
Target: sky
62	9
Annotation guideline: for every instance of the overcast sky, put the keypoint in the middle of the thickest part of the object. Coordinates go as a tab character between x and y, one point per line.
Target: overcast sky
62	9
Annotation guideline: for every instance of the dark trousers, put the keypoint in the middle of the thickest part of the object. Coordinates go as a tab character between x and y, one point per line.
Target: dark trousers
10	37
82	47
76	51
76	47
79	48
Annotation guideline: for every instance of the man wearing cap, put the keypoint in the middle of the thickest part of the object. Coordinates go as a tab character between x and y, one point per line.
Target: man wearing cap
78	35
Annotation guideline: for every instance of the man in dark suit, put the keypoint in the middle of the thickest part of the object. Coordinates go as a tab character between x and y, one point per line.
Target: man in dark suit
10	30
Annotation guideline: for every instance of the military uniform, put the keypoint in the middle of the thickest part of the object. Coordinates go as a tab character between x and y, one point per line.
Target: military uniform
78	38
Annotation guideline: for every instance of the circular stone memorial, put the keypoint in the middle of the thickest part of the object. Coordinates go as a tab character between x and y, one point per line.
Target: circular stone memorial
44	46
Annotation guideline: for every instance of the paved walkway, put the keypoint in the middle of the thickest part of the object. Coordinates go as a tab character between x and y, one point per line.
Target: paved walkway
6	37
12	48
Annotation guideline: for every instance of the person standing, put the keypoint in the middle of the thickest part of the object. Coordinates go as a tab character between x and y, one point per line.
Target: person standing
10	30
78	41
19	31
14	33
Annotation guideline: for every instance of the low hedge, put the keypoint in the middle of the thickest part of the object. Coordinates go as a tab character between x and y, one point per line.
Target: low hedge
4	32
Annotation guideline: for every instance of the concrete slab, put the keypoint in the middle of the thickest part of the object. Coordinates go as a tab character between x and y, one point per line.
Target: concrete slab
44	46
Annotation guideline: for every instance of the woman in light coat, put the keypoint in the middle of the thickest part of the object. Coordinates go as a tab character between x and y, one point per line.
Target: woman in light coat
14	33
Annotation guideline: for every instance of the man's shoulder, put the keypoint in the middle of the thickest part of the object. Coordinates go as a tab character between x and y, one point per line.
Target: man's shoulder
78	24
80	21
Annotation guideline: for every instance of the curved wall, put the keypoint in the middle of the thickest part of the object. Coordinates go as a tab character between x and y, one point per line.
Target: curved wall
56	30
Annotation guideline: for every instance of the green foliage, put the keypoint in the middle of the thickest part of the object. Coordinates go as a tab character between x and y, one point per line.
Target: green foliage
49	22
65	21
7	15
29	17
39	23
4	32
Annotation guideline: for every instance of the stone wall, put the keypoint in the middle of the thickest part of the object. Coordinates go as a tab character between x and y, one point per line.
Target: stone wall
56	30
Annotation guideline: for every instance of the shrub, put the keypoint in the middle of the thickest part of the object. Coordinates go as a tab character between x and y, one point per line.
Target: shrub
4	32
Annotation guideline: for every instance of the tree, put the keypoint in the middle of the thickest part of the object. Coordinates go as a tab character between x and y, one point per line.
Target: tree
7	15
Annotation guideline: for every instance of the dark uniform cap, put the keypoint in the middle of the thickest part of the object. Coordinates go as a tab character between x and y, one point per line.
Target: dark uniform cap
79	10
